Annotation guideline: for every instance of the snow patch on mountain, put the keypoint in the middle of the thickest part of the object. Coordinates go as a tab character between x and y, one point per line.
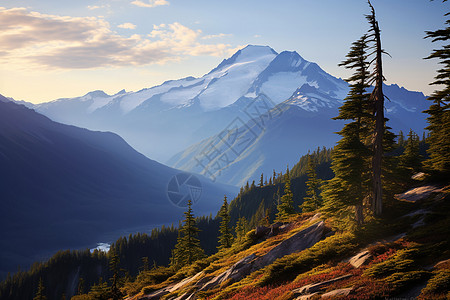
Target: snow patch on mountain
310	98
236	78
133	100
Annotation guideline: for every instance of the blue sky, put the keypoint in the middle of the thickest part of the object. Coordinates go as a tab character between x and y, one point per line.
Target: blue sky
65	48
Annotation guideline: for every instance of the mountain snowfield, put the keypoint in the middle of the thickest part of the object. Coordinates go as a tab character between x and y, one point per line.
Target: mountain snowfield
178	120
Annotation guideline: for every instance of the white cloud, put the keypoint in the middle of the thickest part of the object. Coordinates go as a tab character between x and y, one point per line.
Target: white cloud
31	39
257	36
150	3
127	26
92	7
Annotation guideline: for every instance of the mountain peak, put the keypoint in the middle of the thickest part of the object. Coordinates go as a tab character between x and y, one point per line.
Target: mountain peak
97	93
248	53
258	49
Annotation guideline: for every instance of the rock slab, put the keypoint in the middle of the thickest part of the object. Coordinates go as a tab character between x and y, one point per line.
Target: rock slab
315	287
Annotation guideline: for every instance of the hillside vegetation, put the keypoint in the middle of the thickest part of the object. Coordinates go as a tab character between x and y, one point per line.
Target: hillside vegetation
404	253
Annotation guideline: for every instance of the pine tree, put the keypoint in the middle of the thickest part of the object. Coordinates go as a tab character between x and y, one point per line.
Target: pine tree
439	111
351	155
225	238
145	264
188	249
261	181
40	293
116	294
410	160
286	206
100	290
313	200
241	228
247	187
176	260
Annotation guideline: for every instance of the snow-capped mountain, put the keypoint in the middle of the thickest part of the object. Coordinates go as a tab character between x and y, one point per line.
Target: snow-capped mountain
176	121
165	119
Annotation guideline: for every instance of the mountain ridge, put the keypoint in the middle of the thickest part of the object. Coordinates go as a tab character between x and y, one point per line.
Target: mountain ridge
167	119
82	187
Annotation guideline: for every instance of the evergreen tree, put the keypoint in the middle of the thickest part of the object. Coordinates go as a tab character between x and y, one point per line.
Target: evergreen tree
145	264
410	160
351	155
100	291
241	228
313	200
247	187
258	217
188	249
176	260
114	261
225	238
286	206
439	111
261	181
40	293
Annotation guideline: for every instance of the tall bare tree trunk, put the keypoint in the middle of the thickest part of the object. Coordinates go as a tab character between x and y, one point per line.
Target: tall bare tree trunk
378	99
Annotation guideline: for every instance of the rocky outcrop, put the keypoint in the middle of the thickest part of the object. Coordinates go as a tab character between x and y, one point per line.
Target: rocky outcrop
419	193
338	293
315	287
307	297
235	273
298	242
360	259
171	288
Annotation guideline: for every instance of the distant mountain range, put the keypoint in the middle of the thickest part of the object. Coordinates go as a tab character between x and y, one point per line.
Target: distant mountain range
178	122
65	187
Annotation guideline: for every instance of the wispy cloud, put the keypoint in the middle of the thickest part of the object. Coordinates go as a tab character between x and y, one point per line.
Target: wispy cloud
215	36
150	3
92	7
34	39
127	26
